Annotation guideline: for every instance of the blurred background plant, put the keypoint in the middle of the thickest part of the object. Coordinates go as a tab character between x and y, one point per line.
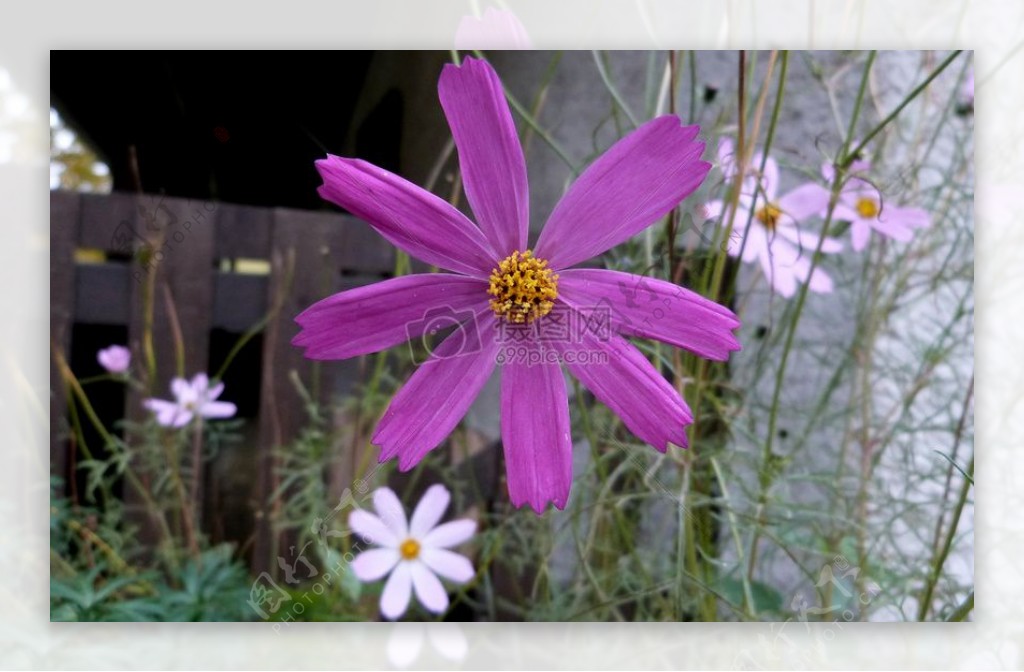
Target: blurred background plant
830	474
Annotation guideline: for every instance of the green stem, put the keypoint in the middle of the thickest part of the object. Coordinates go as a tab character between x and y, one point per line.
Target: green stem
961	612
940	558
766	474
602	70
769	139
748	593
849	158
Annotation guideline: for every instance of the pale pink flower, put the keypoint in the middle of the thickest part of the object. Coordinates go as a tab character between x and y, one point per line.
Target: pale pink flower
775	238
414	552
115	359
406	642
863	205
190	399
496	29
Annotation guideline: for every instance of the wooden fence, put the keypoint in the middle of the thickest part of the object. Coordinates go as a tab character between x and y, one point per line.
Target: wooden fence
196	247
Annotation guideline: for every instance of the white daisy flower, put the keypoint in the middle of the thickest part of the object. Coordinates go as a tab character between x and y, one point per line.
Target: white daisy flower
415	552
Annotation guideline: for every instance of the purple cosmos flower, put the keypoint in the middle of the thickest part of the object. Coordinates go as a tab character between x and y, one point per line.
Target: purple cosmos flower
862	204
115	359
413	552
500	284
190	399
775	238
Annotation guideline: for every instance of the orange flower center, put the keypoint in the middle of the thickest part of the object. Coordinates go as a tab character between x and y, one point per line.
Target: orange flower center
867	208
410	549
523	287
769	215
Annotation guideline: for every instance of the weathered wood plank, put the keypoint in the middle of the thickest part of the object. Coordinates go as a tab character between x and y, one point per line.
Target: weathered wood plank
181	267
358	248
171	281
302	267
243	231
314	255
111	222
239	301
65	209
103	294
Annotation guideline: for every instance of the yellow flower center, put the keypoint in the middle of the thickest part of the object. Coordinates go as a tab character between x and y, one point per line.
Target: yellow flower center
867	208
410	549
769	215
523	287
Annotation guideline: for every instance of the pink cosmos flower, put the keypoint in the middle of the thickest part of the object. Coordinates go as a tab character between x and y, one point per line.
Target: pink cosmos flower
115	359
413	552
500	284
190	399
862	204
496	29
775	239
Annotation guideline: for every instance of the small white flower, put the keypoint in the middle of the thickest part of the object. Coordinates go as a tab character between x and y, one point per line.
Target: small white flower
414	553
190	399
115	359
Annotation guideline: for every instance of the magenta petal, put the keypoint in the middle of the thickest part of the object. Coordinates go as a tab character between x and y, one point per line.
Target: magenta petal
378	316
626	382
438	394
650	308
640	179
409	217
490	156
535	432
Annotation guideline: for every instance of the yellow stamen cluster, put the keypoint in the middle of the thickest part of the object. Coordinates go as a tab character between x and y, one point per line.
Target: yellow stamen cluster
523	287
867	208
769	215
410	549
